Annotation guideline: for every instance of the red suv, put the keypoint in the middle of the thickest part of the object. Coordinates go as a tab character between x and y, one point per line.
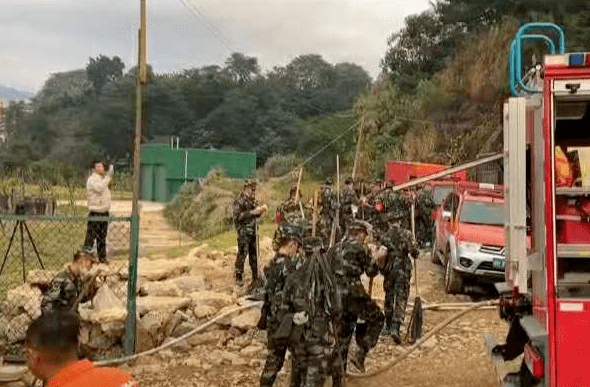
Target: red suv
469	236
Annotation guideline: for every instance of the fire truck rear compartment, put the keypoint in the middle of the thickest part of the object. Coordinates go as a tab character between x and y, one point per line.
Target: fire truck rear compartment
572	203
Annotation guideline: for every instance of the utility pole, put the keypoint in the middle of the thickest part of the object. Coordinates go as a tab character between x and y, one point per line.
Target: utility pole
130	331
141	83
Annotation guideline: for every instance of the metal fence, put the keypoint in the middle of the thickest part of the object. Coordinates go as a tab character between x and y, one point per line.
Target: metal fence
36	248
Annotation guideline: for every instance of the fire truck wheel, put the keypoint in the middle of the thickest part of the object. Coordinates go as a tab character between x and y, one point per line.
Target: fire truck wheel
453	280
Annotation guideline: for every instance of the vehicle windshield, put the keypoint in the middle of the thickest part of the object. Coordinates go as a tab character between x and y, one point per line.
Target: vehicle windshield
488	213
439	193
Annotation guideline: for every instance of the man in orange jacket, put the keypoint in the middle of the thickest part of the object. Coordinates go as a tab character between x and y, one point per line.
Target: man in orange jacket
52	355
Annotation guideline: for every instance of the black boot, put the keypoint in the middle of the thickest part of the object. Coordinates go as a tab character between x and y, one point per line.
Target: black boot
395	335
358	360
387	328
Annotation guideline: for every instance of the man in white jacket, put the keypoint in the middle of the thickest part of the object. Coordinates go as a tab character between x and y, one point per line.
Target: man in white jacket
99	204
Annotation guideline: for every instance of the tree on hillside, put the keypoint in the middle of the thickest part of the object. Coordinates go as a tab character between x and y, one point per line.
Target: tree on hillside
312	134
62	89
418	50
103	70
306	72
241	68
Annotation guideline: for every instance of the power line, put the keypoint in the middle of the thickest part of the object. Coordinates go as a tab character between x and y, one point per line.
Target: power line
353	126
199	15
211	24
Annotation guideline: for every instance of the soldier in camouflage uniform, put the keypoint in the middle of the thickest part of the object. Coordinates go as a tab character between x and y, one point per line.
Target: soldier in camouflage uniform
65	288
399	204
349	207
246	211
289	212
285	262
351	258
313	300
327	205
424	222
375	211
397	272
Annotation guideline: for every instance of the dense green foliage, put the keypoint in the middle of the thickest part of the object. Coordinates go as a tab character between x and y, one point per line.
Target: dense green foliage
90	113
445	76
430	40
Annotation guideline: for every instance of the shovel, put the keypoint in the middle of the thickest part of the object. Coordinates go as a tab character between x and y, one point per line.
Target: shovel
416	318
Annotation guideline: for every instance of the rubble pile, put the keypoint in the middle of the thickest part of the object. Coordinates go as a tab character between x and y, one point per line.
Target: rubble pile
174	296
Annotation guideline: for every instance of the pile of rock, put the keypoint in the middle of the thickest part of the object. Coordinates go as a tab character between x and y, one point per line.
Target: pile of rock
15	375
174	296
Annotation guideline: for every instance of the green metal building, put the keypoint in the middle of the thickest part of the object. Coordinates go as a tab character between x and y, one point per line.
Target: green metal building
164	169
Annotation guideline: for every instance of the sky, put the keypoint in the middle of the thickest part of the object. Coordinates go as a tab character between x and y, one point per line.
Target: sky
41	37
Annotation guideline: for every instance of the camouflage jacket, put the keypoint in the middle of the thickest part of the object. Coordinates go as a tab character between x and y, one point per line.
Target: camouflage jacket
244	221
348	198
277	272
400	243
424	206
62	293
289	211
327	202
350	260
400	207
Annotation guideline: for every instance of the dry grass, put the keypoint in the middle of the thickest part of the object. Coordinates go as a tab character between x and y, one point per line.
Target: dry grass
481	68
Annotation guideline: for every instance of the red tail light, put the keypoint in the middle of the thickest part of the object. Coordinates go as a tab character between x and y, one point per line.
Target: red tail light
534	361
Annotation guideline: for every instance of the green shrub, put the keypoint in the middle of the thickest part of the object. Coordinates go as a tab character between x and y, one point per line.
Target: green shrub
203	209
279	165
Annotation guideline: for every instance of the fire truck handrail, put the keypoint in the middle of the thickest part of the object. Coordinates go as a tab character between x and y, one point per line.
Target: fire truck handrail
573	251
516	51
516	64
572	191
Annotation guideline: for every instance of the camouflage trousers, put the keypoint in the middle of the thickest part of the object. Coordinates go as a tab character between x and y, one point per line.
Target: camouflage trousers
396	285
311	363
424	232
274	361
358	307
246	245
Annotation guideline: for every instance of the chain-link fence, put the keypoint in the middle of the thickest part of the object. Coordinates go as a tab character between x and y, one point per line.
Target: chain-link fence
53	196
36	253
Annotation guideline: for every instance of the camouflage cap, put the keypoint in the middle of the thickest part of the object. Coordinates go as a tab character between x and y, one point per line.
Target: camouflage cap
250	183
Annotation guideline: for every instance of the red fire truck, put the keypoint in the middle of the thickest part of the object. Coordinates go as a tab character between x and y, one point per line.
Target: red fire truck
546	297
398	172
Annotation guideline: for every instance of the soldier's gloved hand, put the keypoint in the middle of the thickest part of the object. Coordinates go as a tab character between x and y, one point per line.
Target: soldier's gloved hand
300	318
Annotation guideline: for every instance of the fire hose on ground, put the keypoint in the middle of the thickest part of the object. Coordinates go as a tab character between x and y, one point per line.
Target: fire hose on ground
425	338
178	339
466	307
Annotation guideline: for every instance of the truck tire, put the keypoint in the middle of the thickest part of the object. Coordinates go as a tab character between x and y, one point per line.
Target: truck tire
453	280
434	253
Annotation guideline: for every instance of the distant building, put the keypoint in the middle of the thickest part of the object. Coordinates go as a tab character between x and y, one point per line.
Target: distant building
3	106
